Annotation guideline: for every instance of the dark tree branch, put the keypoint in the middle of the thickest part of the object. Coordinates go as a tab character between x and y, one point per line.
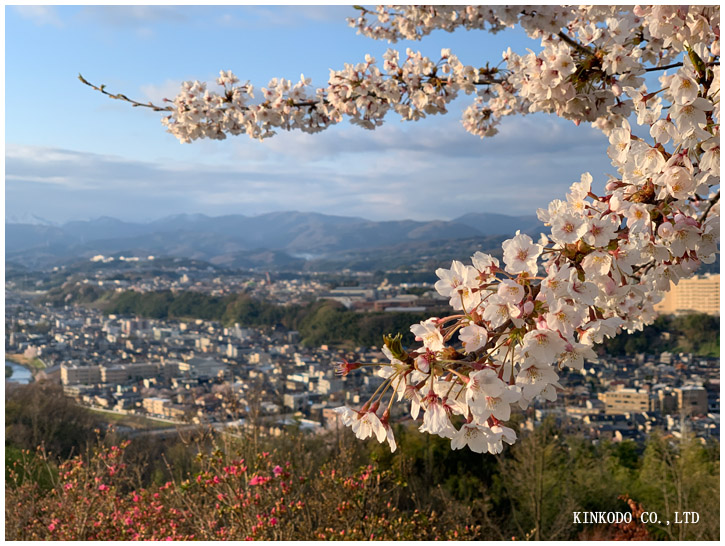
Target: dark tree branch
675	65
713	201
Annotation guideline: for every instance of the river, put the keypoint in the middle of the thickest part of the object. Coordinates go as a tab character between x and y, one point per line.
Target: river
20	374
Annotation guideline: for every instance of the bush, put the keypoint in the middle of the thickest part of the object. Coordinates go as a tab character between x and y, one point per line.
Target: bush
262	498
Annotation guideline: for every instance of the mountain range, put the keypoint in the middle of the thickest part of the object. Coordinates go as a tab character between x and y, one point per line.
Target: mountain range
232	239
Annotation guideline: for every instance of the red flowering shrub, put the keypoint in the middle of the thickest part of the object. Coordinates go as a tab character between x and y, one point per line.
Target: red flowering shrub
95	498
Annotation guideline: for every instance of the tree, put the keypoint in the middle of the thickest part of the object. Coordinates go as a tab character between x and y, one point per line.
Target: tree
680	477
607	258
536	480
39	414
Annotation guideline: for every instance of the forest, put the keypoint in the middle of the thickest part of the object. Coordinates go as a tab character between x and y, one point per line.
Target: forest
329	322
319	322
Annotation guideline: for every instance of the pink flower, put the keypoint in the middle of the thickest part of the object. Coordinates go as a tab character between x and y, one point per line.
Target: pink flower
259	480
103	487
273	521
277	470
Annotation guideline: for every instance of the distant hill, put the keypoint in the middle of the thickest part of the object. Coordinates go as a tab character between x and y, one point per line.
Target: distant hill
280	239
27	218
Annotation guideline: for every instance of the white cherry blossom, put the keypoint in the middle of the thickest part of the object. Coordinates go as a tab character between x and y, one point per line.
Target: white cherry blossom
428	332
520	254
473	337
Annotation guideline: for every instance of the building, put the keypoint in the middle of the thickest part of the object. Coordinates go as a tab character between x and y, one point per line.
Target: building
625	401
155	405
203	367
123	373
80	375
699	294
327	386
133	326
692	400
296	402
350	295
666	401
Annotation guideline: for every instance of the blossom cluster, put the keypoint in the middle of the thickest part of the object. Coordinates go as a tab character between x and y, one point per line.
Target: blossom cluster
413	87
589	55
605	264
607	258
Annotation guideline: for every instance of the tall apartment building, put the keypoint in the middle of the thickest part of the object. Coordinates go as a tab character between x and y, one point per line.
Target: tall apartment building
699	294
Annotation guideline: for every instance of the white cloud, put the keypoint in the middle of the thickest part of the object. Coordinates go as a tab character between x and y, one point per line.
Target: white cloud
40	15
396	172
283	16
134	16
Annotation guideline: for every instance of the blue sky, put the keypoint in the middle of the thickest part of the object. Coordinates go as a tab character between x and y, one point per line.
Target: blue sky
74	154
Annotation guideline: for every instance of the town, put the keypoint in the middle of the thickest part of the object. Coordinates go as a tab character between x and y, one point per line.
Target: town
193	371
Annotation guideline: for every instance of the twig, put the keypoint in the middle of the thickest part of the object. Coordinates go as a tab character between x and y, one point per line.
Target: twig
119	96
575	44
713	201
